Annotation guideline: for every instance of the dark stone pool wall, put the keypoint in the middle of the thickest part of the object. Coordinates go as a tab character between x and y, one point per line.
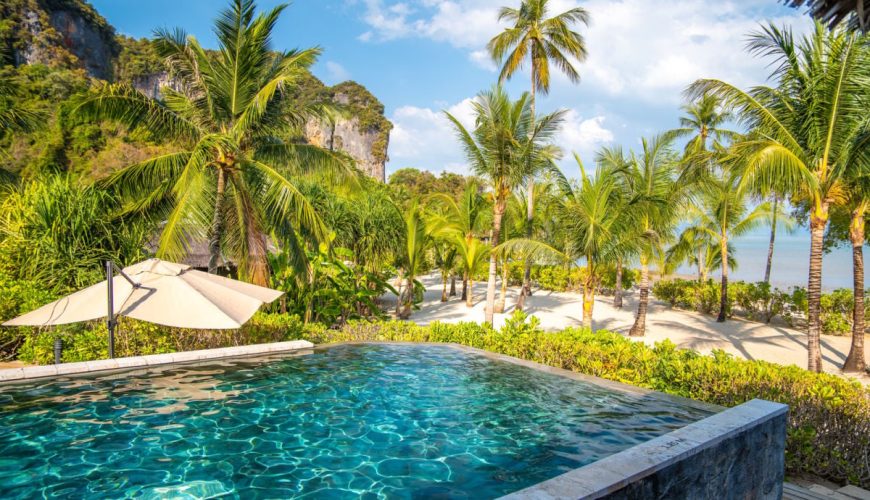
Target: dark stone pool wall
738	453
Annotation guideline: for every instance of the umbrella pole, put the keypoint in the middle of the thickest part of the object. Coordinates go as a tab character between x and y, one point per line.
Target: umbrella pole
110	323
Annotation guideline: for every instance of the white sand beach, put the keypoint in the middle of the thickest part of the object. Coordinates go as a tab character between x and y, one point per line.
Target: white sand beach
691	330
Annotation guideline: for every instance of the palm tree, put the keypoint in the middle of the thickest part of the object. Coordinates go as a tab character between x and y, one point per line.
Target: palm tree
542	40
230	180
411	259
805	132
652	209
13	118
465	218
722	212
506	141
778	216
857	203
592	216
616	164
473	253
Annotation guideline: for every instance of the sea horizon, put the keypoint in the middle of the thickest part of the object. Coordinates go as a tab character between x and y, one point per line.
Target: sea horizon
791	260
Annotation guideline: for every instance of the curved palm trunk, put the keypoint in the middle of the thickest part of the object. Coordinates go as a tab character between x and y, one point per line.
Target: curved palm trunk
453	284
772	240
855	362
530	205
464	286
469	292
399	295
498	212
408	299
639	327
818	221
617	292
502	298
530	215
723	291
588	293
217	224
443	288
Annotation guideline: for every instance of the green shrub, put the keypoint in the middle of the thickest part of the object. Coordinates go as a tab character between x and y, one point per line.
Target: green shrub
829	417
85	342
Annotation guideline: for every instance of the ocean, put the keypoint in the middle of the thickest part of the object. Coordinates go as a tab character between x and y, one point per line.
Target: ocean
791	260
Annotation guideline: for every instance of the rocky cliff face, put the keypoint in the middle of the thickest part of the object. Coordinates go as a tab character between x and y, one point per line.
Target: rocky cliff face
65	32
346	135
70	33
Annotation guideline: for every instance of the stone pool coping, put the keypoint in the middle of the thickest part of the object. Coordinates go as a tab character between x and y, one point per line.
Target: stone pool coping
105	365
643	461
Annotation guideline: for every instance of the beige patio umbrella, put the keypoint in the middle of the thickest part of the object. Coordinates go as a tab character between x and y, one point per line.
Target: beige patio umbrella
158	292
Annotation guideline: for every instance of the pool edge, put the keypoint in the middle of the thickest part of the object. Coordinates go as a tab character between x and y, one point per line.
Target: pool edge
739	452
152	360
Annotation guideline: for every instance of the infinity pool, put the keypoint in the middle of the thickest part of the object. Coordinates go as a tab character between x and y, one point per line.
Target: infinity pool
372	420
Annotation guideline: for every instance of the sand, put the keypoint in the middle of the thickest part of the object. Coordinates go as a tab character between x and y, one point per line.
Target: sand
686	329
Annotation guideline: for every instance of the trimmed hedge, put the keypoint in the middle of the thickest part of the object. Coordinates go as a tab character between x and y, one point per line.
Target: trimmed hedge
829	417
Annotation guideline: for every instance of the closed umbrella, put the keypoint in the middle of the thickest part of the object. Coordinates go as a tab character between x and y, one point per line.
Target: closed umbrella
158	292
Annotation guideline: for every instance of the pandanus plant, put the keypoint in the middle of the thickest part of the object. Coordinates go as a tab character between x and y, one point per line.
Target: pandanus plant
232	178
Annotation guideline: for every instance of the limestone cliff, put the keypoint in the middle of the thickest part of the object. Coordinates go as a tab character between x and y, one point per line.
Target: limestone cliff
71	34
360	130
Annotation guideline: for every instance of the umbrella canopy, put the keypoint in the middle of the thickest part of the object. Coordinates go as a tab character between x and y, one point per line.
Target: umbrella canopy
165	293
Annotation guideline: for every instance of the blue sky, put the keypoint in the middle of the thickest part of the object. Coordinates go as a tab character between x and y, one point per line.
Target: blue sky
420	57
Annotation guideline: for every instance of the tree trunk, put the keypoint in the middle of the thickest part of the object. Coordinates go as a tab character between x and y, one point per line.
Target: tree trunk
443	288
400	291
588	293
469	292
217	223
464	286
453	285
702	275
818	222
855	362
498	212
530	205
617	292
723	291
502	298
639	327
408	299
530	216
772	240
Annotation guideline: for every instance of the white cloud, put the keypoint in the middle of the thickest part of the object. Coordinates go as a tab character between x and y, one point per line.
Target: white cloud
583	136
482	59
425	138
637	49
337	72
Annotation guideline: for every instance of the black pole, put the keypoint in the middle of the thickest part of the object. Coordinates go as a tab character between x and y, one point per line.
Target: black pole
58	350
110	322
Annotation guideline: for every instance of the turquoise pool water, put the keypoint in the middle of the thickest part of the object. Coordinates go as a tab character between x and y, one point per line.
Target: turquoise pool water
402	421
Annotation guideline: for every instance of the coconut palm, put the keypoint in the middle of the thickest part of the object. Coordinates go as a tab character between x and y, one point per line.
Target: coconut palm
412	257
857	204
722	212
466	218
542	40
473	254
592	215
779	216
231	180
652	209
504	144
616	163
805	132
